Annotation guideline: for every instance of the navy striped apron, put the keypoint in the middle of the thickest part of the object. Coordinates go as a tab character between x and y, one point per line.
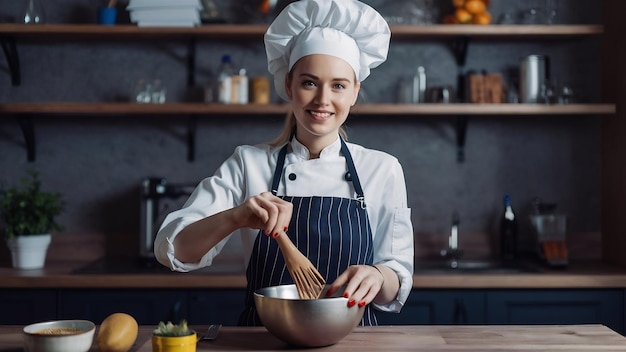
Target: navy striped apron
333	232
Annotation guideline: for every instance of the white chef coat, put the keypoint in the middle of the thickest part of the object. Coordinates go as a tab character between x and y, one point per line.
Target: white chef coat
249	172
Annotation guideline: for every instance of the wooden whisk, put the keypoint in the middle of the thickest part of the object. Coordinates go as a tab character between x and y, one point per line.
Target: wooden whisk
309	282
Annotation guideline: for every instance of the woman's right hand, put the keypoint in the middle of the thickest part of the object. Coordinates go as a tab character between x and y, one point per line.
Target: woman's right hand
266	212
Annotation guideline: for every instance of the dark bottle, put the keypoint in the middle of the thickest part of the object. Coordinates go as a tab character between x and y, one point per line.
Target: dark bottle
508	232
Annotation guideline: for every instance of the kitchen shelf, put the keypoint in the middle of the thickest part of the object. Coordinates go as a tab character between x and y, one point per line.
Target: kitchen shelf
47	31
458	35
508	31
25	111
406	110
461	34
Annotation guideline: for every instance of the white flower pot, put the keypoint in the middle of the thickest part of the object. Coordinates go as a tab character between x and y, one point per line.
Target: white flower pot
29	252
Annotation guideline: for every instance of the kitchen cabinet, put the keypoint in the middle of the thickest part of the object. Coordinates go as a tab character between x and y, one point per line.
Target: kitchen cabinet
435	307
510	307
215	306
223	306
25	306
557	307
146	306
11	34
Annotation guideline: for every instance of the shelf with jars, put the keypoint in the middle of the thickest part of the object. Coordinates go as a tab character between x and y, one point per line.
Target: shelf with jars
10	33
207	110
257	30
458	35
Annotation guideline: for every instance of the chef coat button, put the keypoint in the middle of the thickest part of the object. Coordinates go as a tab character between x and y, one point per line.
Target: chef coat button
292	176
348	177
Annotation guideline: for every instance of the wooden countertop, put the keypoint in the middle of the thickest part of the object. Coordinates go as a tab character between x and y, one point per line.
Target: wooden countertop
72	274
591	338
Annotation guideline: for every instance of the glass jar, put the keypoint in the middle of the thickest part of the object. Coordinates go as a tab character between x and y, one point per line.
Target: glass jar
33	13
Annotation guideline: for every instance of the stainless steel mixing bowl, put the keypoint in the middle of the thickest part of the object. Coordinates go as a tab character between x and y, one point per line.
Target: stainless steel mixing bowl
301	322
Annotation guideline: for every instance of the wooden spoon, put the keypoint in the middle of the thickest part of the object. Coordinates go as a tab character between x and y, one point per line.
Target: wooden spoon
308	280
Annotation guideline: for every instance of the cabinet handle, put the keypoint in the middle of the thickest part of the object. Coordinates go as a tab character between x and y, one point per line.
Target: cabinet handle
460	312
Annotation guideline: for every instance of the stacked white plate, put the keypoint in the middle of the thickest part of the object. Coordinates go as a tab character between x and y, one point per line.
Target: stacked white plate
165	13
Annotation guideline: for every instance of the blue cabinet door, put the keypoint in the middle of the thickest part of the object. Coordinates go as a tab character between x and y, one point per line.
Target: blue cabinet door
435	307
25	306
216	306
567	306
148	307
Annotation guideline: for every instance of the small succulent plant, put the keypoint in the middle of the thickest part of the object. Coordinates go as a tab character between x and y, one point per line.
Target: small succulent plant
172	330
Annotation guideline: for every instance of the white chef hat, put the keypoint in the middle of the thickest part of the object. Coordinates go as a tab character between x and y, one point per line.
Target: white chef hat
347	29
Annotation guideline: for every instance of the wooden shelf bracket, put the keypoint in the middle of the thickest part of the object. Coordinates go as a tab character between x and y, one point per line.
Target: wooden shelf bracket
10	52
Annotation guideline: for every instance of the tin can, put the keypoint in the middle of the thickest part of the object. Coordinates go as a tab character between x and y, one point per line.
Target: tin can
533	73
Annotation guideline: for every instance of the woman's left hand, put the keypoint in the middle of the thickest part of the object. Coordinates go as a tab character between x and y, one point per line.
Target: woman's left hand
362	284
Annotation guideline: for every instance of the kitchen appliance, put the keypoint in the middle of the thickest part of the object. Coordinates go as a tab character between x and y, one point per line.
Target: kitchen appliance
158	198
534	71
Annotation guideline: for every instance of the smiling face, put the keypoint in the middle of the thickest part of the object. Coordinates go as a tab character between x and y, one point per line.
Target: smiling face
322	88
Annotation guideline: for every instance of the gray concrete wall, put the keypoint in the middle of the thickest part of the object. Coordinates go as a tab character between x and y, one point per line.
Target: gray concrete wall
98	162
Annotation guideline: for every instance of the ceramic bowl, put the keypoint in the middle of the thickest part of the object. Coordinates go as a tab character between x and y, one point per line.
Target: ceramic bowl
59	336
305	322
174	344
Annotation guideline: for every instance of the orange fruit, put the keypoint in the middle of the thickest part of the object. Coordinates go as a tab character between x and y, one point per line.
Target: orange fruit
482	18
458	3
463	16
475	6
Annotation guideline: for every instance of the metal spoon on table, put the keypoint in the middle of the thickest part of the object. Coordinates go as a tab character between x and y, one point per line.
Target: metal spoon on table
211	332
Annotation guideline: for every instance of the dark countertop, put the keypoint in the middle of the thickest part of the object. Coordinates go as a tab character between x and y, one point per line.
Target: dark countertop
129	274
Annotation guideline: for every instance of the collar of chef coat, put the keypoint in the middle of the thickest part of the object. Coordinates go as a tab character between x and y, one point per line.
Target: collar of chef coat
302	151
323	177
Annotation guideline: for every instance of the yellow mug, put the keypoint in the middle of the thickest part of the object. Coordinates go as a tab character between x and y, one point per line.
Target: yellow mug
174	343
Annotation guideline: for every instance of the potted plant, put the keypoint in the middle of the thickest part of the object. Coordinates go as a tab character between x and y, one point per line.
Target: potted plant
174	338
29	215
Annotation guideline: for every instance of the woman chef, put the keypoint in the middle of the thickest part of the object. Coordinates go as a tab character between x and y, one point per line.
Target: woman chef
344	206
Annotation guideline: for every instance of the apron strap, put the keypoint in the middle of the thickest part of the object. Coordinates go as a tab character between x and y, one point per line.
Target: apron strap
355	177
278	171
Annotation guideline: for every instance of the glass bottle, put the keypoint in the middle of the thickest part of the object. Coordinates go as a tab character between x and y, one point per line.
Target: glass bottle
419	85
224	80
33	12
508	232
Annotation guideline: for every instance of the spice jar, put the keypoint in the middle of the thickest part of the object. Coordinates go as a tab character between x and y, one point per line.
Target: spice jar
260	90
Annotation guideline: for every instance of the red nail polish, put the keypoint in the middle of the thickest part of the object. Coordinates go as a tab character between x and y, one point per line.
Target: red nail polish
285	228
346	295
351	303
329	293
275	235
361	304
